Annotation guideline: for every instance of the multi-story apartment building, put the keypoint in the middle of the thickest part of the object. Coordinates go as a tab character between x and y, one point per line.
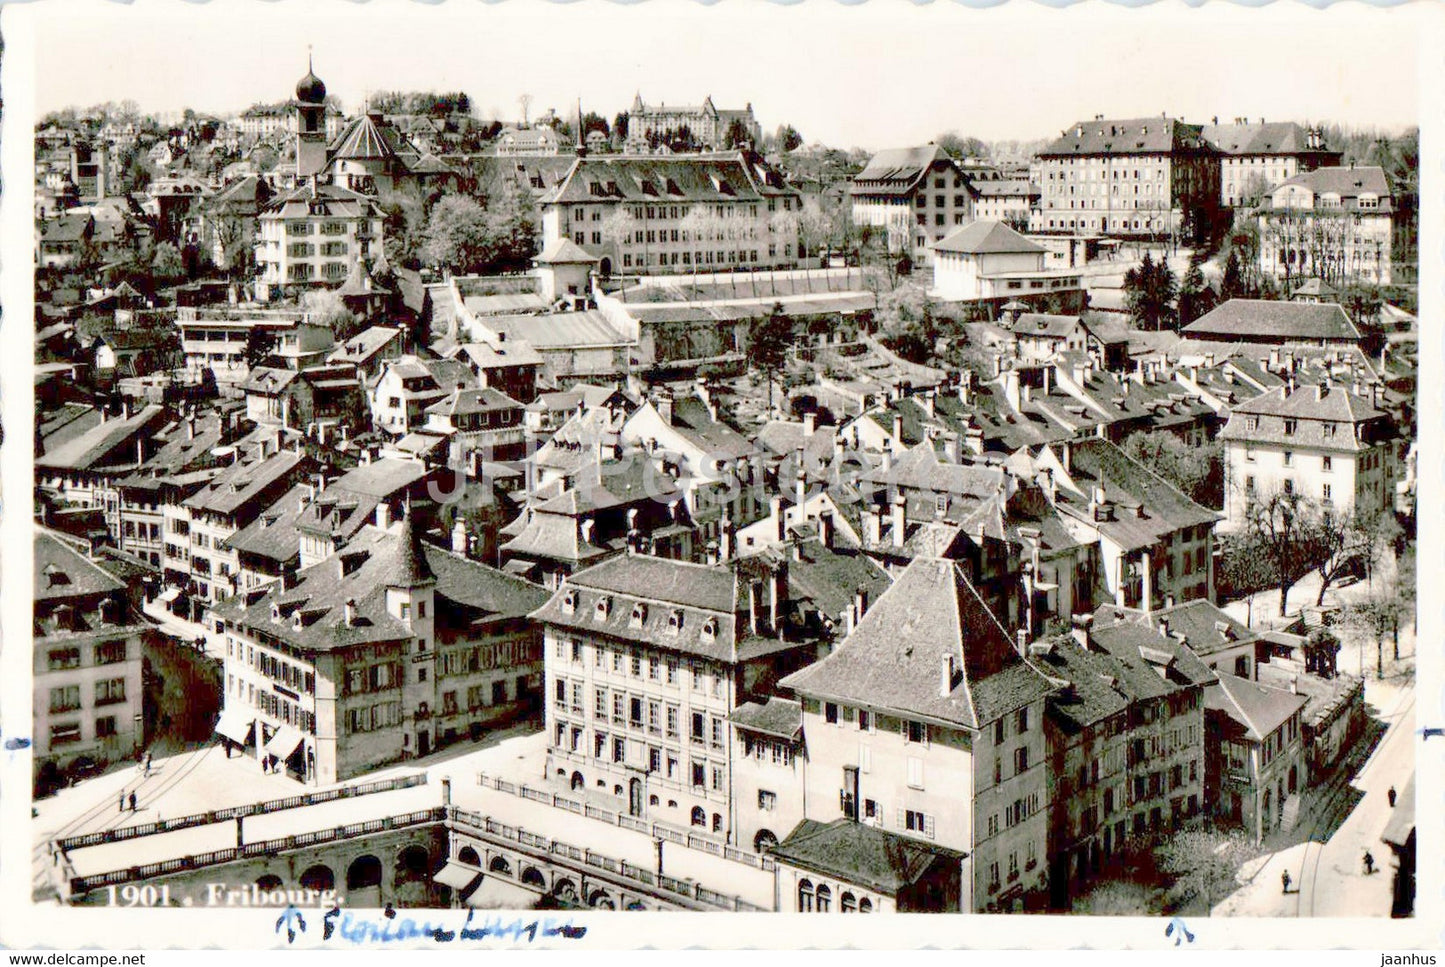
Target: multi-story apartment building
647	660
87	656
769	764
1142	178
382	652
82	469
215	339
1257	157
1335	224
926	722
1006	200
916	196
1126	742
1328	443
708	125
197	539
1155	545
1256	764
657	215
379	490
404	387
312	235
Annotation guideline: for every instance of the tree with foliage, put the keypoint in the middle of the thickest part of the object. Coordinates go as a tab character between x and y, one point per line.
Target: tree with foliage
737	135
1202	862
619	127
1363	302
405	219
1149	293
909	325
956	145
456	234
788	138
768	340
1232	285
1283	525
1198	471
1333	539
259	344
167	264
1195	296
325	308
1321	653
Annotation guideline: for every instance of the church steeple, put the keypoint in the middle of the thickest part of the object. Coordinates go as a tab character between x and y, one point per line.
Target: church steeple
310	123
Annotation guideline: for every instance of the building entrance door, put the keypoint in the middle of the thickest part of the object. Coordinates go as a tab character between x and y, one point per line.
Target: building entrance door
423	743
849	798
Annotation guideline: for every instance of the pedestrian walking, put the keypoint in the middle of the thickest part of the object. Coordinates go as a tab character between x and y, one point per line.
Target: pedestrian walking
1391	796
121	807
1369	863
1284	878
132	802
148	764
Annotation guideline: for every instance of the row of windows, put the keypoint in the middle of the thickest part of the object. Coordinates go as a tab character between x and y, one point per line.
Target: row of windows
1031	860
653	667
374	718
104	652
820	900
62	733
703	258
67	697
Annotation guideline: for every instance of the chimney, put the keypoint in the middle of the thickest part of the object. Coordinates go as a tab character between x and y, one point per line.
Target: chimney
887	457
953	448
860	601
729	538
775	514
1048	380
1051	486
1028	393
664	407
712	553
350	619
1294	684
800	485
778	592
810	423
585	528
974	438
191	426
945	676
1274	360
930	400
825	529
872	526
1066	455
900	505
383	515
898	427
1322	390
459	537
1011	388
1021	642
1164	627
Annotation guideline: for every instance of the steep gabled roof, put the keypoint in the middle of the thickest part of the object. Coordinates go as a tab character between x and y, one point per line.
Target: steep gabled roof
894	658
861	855
1259	709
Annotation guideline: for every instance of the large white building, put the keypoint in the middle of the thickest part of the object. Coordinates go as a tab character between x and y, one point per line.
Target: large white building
1333	224
1328	443
915	196
657	215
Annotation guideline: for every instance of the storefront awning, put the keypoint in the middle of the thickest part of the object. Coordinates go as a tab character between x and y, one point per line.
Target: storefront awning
457	876
284	742
235	725
495	893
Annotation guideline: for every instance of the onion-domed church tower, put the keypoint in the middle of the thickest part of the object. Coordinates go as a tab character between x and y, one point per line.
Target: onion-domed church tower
310	124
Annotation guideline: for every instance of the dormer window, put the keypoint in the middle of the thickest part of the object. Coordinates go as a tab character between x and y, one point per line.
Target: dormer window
674	622
604	608
296	621
275	612
569	602
709	630
639	615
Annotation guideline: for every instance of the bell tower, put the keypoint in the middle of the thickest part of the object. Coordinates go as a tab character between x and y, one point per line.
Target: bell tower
310	124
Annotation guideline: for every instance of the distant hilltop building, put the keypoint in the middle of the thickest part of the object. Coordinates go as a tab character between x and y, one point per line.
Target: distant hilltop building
707	124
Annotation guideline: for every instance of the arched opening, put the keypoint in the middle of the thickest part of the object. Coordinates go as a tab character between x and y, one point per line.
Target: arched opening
865	905
469	856
848	903
318	877
602	901
412	863
764	841
268	882
363	872
604	267
533	877
699	817
565	890
578	781
805	896
825	898
499	864
563	772
637	905
652	800
617	789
